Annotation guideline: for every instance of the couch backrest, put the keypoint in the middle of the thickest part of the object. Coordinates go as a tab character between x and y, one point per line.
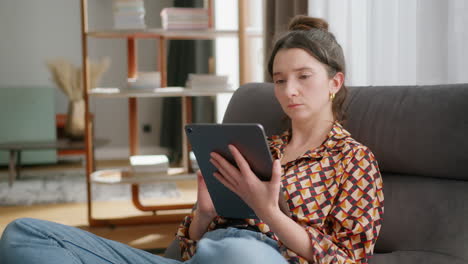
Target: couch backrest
417	130
256	103
419	136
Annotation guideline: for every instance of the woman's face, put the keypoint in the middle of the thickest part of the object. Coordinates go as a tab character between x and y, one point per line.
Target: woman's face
302	85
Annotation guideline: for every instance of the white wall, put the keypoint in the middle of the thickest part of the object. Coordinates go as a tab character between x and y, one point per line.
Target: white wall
34	31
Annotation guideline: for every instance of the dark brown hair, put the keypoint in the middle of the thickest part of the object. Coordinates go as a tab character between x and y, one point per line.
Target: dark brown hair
311	35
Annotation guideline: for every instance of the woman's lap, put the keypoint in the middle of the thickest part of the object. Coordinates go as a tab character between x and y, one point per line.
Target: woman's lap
232	246
37	241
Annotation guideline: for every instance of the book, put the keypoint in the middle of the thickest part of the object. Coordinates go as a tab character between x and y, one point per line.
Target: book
208	81
129	14
149	163
184	18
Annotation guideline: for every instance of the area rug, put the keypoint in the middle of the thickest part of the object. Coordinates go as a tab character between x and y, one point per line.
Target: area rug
70	186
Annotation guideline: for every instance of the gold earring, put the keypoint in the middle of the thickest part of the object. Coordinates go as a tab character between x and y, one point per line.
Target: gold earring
332	96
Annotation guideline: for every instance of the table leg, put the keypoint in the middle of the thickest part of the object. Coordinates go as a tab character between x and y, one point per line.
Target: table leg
12	167
94	155
18	165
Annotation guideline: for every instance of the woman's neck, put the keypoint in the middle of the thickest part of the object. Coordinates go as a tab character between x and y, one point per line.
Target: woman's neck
310	134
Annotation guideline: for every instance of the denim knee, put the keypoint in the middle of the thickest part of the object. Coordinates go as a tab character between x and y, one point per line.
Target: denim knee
15	234
17	227
233	250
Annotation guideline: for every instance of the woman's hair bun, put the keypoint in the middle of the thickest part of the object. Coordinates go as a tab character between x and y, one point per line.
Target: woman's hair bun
302	22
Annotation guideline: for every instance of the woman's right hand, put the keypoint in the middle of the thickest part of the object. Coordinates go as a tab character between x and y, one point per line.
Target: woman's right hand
204	213
205	207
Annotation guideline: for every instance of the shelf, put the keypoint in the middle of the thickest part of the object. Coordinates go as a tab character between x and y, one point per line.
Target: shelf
125	176
156	92
162	33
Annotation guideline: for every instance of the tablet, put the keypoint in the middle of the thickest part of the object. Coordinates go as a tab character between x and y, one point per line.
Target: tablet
250	140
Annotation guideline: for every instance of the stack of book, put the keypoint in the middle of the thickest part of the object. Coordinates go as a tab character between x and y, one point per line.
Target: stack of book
208	81
129	14
144	164
184	18
145	80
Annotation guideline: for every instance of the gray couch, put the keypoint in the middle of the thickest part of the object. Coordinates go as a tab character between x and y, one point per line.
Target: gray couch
419	135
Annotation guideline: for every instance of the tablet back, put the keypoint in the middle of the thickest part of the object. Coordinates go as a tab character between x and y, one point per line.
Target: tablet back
250	140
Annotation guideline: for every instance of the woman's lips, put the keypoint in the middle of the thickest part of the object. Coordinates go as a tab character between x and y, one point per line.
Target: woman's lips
293	105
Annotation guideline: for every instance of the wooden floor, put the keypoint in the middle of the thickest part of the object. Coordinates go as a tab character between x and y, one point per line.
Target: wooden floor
74	214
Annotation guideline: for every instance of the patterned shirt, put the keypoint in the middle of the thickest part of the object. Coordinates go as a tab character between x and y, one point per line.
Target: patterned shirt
333	191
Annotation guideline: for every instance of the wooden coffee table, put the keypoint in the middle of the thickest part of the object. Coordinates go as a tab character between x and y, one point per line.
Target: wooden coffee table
15	148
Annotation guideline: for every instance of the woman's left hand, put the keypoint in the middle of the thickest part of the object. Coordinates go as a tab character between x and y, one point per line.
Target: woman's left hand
261	196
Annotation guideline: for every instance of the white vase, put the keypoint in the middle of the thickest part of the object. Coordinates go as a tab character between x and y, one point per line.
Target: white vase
75	125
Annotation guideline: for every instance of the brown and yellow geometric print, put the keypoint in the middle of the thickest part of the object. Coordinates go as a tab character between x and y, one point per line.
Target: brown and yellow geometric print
334	192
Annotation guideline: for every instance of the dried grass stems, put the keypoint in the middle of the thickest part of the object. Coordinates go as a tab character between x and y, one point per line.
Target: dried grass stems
68	79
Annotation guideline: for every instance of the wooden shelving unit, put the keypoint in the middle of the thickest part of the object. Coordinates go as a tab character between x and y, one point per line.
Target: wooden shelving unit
160	213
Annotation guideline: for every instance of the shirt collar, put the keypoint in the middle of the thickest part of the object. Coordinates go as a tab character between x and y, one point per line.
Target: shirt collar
333	142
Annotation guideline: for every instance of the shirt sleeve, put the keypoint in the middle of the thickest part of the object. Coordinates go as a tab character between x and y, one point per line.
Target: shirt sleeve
187	245
352	227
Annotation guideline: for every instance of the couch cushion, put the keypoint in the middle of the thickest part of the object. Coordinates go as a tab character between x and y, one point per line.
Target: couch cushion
413	130
424	214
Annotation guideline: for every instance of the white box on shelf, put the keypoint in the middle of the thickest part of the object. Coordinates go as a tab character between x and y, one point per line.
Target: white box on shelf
149	163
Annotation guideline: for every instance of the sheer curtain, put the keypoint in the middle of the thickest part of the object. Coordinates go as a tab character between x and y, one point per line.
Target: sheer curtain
278	13
399	42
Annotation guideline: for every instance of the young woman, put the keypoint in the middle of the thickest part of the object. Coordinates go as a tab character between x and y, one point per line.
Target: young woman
331	183
328	183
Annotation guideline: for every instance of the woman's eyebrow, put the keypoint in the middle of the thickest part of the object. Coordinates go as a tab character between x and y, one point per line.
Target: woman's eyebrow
296	70
302	69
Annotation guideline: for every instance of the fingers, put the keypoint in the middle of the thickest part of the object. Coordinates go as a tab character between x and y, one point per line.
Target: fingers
277	172
224	181
229	174
224	173
200	178
200	182
242	164
223	164
218	166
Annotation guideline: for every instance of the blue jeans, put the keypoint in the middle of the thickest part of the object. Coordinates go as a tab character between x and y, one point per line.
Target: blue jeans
36	241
